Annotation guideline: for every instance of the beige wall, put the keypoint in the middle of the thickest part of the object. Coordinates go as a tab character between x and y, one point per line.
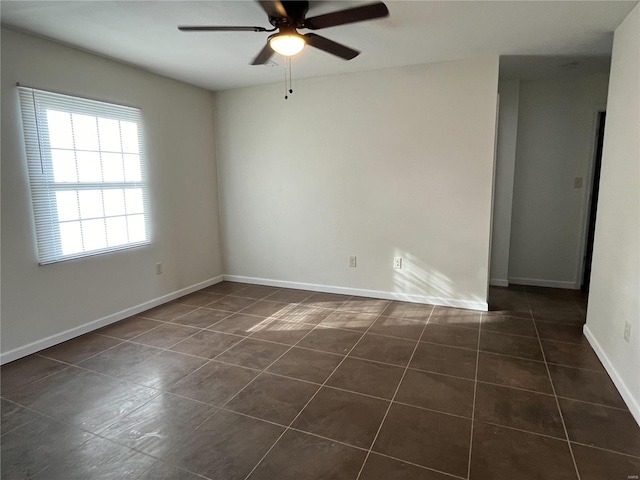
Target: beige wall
503	189
555	144
380	164
45	304
614	297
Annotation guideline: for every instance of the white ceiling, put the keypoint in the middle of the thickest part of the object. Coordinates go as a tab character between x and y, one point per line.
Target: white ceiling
144	33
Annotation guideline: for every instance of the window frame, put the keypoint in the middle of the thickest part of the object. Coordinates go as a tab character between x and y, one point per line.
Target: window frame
43	185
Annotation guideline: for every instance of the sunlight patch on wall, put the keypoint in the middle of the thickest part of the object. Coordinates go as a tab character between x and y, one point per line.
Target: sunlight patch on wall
418	278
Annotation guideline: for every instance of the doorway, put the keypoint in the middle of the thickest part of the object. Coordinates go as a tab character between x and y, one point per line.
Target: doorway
593	207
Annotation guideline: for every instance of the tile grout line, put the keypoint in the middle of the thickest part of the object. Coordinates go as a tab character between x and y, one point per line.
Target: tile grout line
522	430
363	449
148	469
395	393
3	433
215	407
167	392
200	329
167	349
264	370
92	435
300	304
429	469
621	409
161	350
164	323
242	338
475	390
637	457
346	355
153	456
199	307
553	389
211	359
67	365
297	303
99	433
260	372
121	341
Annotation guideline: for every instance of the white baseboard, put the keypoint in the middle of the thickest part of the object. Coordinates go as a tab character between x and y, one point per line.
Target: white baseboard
536	282
405	297
498	282
52	340
625	393
38	345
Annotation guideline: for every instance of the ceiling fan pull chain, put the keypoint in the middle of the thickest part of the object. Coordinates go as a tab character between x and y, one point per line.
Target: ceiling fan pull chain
285	79
290	84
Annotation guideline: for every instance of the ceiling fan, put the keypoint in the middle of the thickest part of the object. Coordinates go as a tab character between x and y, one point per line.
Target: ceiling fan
288	16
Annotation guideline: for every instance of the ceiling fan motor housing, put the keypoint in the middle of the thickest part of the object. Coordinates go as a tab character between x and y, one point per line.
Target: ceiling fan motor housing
294	16
288	16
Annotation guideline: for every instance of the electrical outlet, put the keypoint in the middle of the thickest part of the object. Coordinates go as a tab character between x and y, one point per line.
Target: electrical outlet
352	261
627	332
397	263
159	268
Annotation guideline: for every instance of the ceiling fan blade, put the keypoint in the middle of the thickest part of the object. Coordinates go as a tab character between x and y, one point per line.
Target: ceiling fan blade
264	55
222	29
350	15
330	46
273	8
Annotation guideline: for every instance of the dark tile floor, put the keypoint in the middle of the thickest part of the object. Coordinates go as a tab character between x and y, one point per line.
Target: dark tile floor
251	382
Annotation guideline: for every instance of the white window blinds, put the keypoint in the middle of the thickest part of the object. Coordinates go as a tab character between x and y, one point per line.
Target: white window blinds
87	175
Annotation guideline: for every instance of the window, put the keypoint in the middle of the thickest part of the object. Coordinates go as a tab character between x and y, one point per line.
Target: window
87	176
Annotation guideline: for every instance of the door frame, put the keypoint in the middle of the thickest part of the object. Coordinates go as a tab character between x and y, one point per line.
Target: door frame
587	193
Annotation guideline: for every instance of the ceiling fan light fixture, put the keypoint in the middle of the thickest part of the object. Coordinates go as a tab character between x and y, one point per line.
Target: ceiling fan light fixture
287	44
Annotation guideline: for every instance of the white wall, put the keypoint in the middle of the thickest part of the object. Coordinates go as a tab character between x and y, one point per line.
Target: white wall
380	164
43	301
614	296
503	190
556	138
